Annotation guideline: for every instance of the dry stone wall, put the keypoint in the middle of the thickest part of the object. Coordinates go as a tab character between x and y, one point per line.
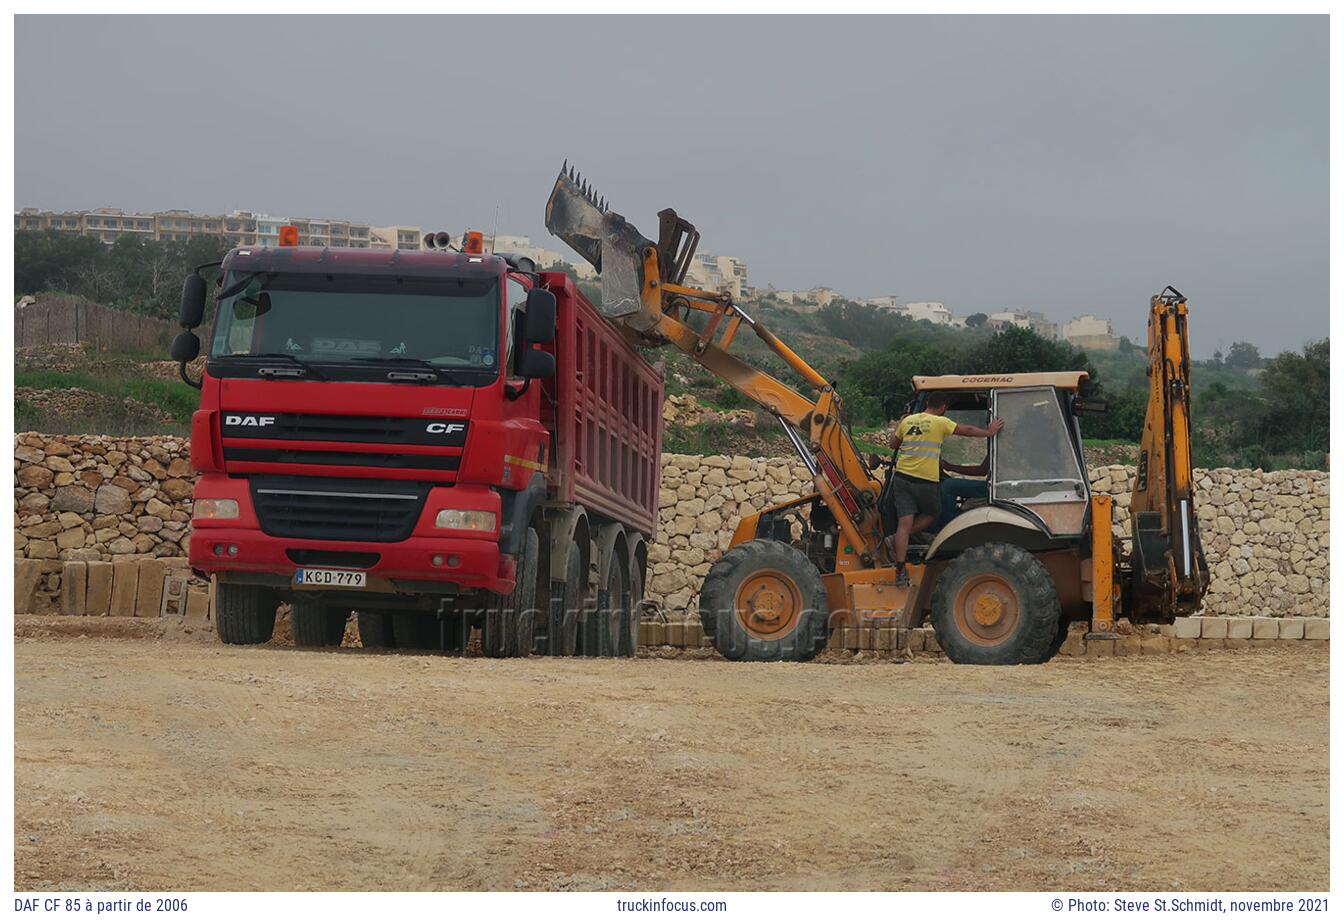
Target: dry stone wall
103	499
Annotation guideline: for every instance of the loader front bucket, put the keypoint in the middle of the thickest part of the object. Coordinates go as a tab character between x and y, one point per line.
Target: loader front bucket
611	245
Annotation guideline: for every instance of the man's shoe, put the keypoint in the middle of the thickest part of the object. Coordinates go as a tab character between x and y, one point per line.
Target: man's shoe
902	579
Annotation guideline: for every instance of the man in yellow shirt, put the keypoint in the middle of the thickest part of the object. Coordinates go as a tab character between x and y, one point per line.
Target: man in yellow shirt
913	497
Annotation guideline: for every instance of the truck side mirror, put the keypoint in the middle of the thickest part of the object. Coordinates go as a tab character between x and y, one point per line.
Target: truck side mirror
186	346
192	311
539	321
534	364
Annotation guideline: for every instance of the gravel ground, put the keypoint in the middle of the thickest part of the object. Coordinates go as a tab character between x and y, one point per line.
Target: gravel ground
172	762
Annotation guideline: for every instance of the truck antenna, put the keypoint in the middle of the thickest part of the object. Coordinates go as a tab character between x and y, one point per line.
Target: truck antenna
495	232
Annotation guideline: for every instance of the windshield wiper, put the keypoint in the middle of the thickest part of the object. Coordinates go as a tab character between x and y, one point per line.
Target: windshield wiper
267	355
241	284
442	372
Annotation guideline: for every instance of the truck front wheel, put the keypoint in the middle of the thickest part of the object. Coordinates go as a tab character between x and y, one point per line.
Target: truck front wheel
507	628
375	630
764	601
316	624
244	614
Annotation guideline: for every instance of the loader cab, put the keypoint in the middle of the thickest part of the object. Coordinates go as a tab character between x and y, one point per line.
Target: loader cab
1037	475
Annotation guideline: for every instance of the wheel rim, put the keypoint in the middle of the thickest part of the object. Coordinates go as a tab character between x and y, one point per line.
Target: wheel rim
986	609
768	604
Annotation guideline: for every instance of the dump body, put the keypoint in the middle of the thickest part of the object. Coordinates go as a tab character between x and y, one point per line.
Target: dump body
604	407
342	449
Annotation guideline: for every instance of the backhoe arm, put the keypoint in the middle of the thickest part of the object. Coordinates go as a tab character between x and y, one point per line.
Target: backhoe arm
1170	574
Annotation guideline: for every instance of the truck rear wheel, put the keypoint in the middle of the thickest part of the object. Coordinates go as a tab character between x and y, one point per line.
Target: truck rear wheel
562	630
764	601
630	626
316	624
375	630
601	633
508	625
996	604
244	614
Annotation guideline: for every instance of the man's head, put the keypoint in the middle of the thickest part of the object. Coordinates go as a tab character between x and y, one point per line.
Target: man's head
936	402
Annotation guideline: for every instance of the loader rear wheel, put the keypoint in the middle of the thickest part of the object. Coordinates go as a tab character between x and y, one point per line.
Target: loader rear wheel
316	624
996	604
244	614
764	601
508	625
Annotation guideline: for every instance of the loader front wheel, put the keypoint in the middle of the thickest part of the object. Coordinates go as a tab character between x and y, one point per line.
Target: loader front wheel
996	604
764	601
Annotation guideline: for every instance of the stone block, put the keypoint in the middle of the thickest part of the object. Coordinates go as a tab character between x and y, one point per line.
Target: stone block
931	641
693	632
149	592
867	641
99	589
28	574
1239	627
1212	628
1100	648
1187	627
1236	643
1168	630
198	608
74	588
1292	628
676	634
1264	628
833	639
1155	645
174	600
885	640
1073	646
914	640
1315	628
1183	645
1128	646
1210	644
125	583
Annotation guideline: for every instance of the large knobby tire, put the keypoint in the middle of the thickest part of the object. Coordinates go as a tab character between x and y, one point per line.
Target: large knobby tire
996	604
508	626
562	630
244	614
375	630
316	624
764	601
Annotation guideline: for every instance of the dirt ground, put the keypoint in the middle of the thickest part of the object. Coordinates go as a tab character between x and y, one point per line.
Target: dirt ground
177	763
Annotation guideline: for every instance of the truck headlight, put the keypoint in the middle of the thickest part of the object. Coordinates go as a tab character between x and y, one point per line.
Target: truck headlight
457	519
214	508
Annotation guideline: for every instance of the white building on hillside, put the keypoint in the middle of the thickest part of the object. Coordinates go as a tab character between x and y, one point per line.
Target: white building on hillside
725	274
1025	319
804	301
934	312
1088	331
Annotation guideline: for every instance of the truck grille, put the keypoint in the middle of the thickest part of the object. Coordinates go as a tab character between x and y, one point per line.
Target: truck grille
337	509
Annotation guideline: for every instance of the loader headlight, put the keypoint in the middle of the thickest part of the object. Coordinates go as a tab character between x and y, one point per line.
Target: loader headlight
214	509
457	519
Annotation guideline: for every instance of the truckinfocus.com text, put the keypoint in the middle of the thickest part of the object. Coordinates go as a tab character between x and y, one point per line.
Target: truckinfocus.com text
648	905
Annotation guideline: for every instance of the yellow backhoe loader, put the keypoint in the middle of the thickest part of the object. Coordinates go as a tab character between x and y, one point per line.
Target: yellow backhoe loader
1001	581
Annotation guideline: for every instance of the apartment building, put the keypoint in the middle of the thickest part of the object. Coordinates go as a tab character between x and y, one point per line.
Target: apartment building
240	228
725	274
397	236
1025	319
1091	332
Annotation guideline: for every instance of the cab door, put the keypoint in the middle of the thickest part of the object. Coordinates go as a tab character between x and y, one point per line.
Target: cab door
1035	462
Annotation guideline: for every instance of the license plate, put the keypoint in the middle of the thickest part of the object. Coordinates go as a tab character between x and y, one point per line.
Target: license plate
329	578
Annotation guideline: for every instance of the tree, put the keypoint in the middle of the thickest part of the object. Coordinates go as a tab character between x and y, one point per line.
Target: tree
976	320
1244	355
1297	396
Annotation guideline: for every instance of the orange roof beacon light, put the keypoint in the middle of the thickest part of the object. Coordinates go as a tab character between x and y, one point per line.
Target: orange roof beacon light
289	235
473	242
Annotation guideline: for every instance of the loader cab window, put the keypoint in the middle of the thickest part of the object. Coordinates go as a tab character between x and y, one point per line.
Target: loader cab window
1034	457
516	293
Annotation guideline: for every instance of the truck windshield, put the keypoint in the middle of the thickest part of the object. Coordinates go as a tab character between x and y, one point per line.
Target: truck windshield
323	319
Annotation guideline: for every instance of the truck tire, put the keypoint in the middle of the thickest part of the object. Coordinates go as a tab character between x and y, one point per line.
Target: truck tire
630	624
244	614
316	624
508	624
616	617
764	601
562	630
996	604
375	630
415	631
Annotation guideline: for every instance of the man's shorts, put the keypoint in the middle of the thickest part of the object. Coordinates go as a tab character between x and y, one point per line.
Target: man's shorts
914	496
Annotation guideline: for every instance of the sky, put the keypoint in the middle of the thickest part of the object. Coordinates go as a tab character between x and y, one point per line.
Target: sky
1063	164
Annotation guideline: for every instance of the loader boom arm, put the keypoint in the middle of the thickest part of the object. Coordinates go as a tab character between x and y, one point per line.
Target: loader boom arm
1170	573
643	293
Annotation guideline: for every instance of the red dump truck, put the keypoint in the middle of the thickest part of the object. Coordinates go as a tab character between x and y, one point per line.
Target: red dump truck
438	441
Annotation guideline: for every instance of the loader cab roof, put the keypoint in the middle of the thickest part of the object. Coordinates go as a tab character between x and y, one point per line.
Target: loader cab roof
981	383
